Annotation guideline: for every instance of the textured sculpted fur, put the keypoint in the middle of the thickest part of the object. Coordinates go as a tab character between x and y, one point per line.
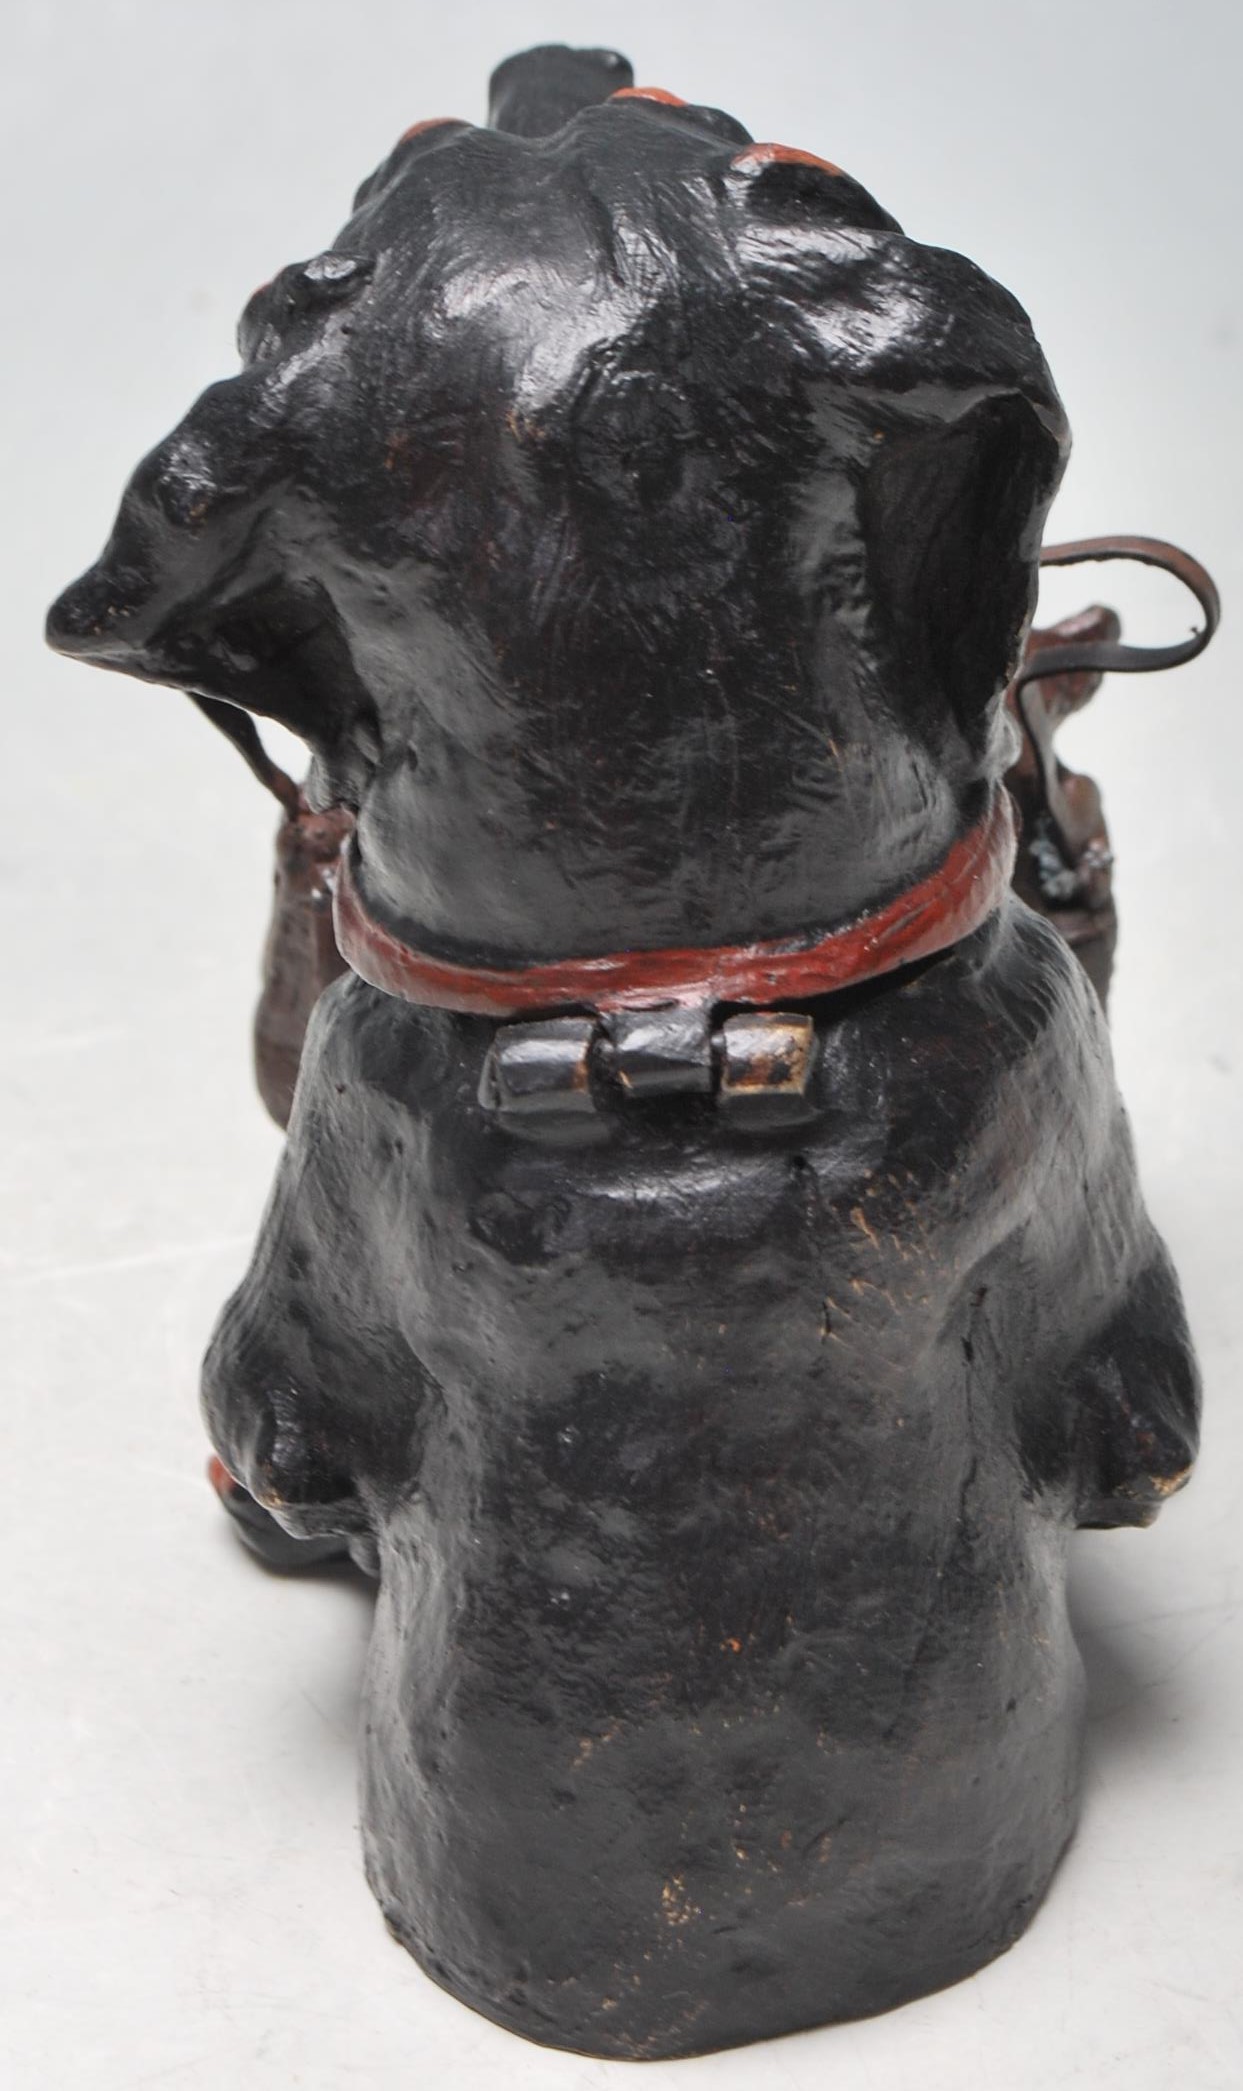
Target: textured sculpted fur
642	531
721	1681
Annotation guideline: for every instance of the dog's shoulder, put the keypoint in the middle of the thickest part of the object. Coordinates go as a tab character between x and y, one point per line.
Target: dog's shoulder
1003	1104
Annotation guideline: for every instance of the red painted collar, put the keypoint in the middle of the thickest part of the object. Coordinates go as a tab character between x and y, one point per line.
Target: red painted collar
943	908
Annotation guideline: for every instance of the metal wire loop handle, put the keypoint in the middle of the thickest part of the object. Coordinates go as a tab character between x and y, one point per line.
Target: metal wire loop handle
1108	656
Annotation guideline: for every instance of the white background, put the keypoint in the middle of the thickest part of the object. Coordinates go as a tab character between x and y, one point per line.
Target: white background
183	1903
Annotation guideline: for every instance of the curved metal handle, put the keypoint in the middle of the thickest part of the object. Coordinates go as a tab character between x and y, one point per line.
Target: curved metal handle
1108	656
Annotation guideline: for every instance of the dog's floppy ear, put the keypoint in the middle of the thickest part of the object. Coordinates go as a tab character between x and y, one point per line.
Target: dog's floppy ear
968	444
952	519
537	91
940	433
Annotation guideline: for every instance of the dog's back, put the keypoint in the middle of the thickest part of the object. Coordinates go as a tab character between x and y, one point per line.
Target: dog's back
721	1680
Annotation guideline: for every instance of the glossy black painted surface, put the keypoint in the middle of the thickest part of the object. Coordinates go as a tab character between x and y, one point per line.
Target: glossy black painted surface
721	1680
644	541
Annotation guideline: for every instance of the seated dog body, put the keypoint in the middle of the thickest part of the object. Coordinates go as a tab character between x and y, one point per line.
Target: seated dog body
721	1679
643	533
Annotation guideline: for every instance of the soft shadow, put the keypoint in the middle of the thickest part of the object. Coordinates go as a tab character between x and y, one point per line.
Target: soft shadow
1132	1692
336	1691
332	1686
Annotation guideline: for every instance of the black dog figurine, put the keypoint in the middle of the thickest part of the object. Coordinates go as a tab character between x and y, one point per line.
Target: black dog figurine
707	1277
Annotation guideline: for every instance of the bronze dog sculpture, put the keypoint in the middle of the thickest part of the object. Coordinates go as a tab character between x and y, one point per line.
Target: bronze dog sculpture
706	1279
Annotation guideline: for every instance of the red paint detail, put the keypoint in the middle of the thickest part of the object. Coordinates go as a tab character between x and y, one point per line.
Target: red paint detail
942	909
649	94
221	1479
759	156
429	123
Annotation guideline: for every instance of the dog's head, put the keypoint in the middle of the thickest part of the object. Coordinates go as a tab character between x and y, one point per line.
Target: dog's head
638	526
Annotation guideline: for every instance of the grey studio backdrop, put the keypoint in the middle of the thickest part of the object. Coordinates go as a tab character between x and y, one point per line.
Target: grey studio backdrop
181	1898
